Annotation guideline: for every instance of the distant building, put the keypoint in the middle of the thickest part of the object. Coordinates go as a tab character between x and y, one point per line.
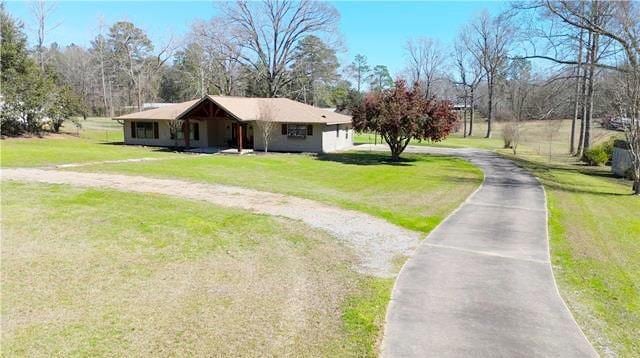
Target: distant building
461	106
146	106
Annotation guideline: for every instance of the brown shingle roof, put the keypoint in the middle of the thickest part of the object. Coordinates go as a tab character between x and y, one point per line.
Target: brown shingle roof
166	112
247	109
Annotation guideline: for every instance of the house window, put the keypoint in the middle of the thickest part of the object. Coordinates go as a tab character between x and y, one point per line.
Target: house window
309	129
194	132
144	130
297	130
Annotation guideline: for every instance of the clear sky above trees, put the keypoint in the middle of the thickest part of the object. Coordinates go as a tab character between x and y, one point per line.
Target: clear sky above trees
380	35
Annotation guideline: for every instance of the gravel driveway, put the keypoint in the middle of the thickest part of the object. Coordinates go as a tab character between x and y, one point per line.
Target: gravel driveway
376	242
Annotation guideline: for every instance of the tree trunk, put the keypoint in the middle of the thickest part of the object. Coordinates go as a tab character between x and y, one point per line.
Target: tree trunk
576	107
472	112
111	110
583	95
395	156
139	92
464	115
589	100
490	88
104	85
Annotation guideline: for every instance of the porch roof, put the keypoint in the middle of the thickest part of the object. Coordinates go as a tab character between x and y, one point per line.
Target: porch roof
247	109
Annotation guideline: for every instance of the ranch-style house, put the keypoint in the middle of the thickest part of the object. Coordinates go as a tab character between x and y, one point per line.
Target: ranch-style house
232	122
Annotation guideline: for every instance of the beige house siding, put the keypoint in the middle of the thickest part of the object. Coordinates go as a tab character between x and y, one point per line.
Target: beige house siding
337	137
282	143
323	140
164	135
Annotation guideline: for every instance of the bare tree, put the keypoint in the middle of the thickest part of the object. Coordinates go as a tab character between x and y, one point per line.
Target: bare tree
132	54
488	39
265	123
99	46
42	11
175	126
268	31
572	21
577	93
220	61
615	25
425	59
468	76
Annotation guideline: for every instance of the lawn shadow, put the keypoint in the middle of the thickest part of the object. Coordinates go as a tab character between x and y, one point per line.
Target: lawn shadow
363	158
544	172
152	148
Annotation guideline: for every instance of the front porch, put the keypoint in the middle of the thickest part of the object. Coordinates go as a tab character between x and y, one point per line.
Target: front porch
220	129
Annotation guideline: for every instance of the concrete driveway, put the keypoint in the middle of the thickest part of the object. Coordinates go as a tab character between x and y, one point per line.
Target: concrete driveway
481	284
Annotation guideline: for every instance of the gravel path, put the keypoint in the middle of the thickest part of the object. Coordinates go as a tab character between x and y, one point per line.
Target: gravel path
376	241
481	284
85	164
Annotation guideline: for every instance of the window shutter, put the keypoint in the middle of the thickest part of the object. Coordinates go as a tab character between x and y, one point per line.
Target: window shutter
156	135
309	129
284	129
133	129
196	131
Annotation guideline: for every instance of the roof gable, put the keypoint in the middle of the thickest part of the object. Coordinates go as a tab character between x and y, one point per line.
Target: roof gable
247	109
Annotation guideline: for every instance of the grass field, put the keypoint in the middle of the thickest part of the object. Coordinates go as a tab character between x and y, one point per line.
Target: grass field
93	272
416	193
594	222
99	139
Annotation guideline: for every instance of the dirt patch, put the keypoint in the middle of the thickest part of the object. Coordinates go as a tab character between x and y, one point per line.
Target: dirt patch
376	242
133	160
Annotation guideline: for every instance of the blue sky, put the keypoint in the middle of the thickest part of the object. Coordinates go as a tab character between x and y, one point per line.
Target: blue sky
377	29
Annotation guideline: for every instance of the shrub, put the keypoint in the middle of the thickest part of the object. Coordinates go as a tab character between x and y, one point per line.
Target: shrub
608	148
602	154
509	133
596	156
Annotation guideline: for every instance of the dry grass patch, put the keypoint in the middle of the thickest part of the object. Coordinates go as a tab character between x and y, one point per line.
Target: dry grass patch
94	272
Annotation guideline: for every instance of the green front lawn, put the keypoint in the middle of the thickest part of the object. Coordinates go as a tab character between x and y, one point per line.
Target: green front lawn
97	139
456	140
416	193
90	272
63	148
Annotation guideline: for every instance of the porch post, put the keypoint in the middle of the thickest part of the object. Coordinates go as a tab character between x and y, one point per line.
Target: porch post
186	133
239	138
